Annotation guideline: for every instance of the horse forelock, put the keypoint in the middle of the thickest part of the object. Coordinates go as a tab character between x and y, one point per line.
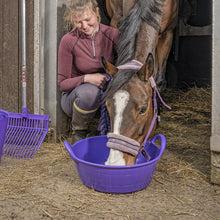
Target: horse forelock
130	25
120	78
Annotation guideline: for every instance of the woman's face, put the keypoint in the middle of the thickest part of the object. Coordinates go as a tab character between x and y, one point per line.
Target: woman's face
87	22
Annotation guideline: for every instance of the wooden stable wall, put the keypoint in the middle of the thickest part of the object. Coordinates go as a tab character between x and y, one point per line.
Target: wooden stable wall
10	55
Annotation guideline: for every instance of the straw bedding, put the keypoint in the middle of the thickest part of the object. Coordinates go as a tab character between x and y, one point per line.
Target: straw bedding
48	186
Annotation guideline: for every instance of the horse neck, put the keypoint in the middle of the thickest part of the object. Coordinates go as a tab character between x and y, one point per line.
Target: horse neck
146	42
139	31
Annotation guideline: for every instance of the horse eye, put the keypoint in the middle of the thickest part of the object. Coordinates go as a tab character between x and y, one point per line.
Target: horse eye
142	110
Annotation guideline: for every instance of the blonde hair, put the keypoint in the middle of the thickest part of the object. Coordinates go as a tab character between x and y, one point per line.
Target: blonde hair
79	6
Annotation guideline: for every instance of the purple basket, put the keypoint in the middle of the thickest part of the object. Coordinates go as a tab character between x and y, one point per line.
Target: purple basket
90	155
3	129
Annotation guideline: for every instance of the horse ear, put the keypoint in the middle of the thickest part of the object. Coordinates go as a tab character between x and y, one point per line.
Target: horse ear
147	69
109	68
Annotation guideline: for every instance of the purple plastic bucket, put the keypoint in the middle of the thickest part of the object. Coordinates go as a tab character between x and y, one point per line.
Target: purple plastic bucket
3	129
90	155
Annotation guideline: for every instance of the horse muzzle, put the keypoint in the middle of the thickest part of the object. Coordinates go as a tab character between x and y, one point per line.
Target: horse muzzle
122	143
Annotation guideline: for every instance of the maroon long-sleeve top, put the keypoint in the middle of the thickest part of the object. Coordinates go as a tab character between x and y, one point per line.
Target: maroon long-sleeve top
80	54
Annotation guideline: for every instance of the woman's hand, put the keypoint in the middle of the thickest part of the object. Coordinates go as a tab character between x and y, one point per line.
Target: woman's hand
96	79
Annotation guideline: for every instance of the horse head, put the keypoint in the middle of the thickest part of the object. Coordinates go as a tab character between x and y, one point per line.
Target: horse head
130	107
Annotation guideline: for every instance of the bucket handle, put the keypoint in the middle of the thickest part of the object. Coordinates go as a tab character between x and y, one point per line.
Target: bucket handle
163	142
69	149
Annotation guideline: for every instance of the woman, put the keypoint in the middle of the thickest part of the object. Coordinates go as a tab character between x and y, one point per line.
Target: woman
80	67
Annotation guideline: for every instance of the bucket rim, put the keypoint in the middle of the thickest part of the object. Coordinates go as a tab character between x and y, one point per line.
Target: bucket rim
78	160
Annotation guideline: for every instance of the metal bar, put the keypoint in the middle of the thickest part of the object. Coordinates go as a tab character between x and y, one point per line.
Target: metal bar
23	53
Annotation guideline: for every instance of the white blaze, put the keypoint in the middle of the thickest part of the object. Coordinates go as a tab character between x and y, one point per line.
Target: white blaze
121	99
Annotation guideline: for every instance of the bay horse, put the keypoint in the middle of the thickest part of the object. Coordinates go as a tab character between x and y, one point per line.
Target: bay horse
130	105
146	26
145	37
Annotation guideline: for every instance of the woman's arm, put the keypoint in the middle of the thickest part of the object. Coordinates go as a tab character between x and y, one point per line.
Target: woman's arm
65	61
96	79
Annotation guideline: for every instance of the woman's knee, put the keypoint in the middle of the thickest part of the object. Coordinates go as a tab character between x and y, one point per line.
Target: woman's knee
67	100
88	97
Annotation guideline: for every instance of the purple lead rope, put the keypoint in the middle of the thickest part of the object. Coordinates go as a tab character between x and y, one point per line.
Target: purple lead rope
156	92
104	121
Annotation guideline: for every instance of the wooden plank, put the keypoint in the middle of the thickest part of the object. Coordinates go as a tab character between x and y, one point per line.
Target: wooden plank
187	30
9	55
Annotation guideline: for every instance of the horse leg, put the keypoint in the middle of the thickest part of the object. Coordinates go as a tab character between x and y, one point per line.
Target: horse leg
115	11
165	38
162	52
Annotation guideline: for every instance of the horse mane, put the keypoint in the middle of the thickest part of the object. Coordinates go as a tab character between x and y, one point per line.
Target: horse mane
146	10
119	79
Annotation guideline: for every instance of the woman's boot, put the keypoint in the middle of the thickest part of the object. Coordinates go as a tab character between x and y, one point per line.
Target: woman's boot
80	123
